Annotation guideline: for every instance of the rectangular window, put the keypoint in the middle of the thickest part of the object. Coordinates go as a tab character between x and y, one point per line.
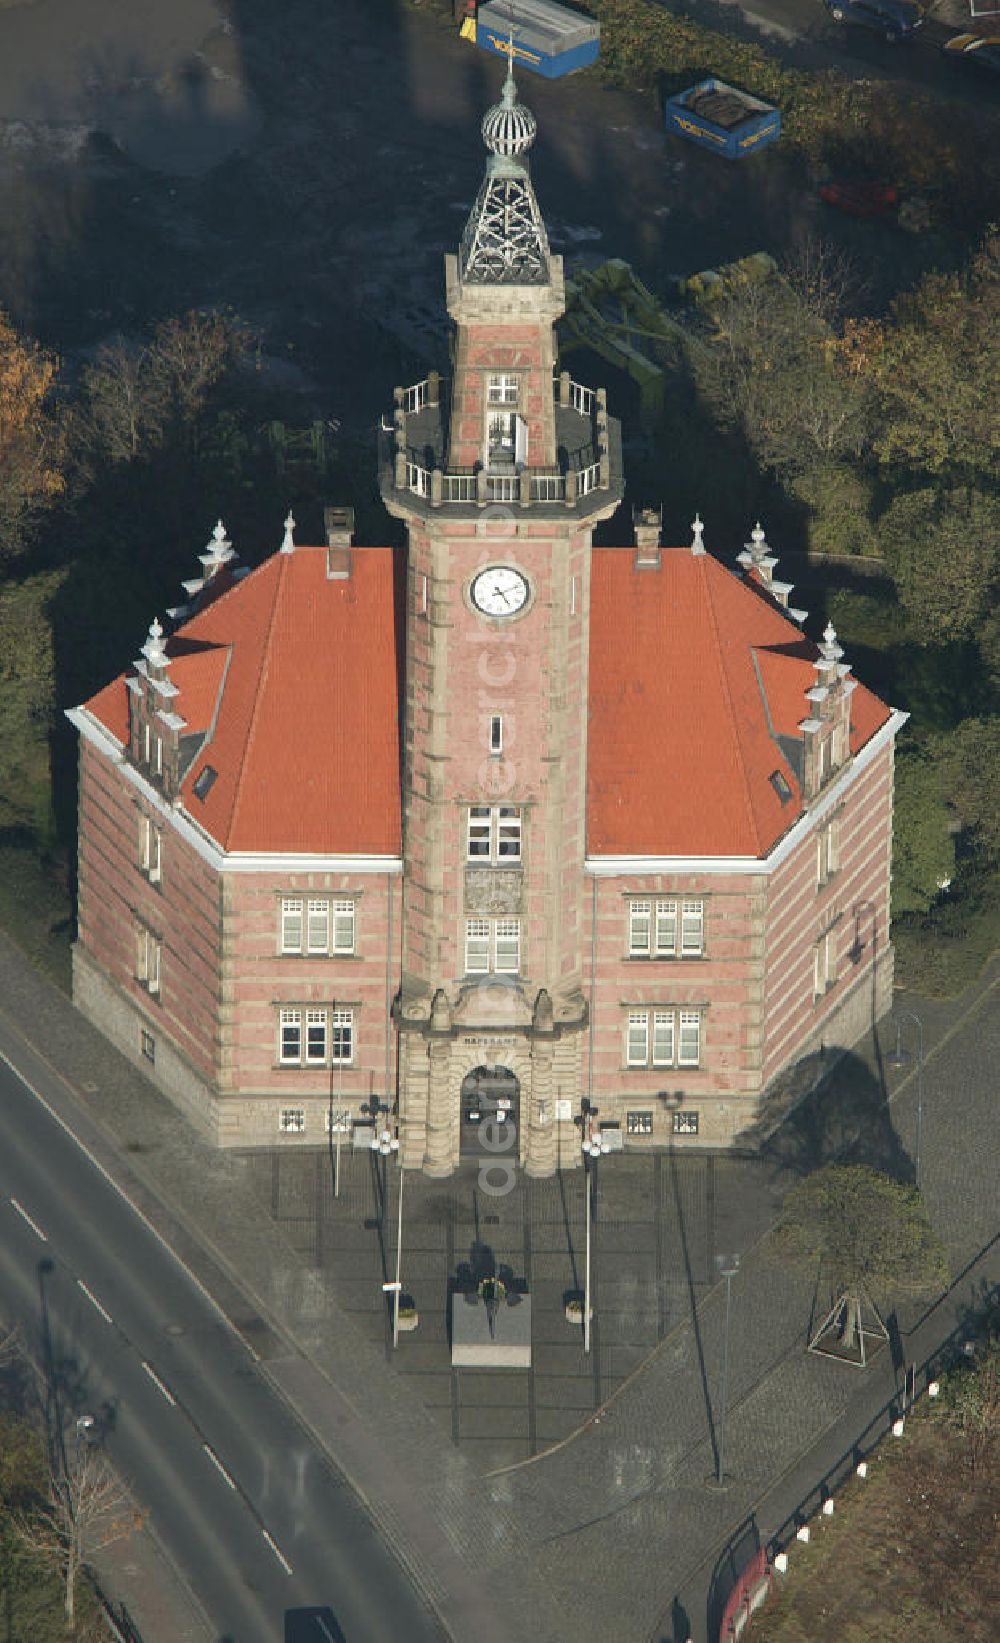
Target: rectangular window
290	1042
826	852
477	946
292	908
494	833
692	928
158	755
148	961
637	1047
150	849
501	389
685	1123
638	1123
342	1036
666	927
825	758
824	963
316	1036
689	1039
480	832
496	734
318	926
501	437
663	1038
147	1044
292	1121
147	743
508	946
639	926
343	927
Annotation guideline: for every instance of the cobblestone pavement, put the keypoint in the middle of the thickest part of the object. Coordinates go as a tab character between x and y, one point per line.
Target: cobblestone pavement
597	1536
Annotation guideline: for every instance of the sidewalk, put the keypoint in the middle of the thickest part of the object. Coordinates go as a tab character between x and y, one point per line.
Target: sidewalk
595	1538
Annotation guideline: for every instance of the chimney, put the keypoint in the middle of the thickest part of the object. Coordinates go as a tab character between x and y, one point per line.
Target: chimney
648	523
339	526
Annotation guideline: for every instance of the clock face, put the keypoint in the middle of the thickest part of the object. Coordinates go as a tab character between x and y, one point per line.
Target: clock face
499	591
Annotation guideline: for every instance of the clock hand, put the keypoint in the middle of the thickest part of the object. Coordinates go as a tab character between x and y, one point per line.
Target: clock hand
500	591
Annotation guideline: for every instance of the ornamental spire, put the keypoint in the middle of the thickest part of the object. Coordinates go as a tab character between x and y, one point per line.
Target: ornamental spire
505	242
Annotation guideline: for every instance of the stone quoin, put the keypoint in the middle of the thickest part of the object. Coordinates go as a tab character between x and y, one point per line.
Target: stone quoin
497	822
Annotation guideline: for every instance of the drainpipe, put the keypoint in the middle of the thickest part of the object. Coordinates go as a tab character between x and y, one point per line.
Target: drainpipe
593	984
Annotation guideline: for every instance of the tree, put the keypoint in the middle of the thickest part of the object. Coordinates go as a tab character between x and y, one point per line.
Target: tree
943	549
30	438
867	1233
972	1404
83	1508
125	404
923	844
776	366
969	762
936	373
189	355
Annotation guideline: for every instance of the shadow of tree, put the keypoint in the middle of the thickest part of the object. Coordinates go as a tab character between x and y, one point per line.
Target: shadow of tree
819	1114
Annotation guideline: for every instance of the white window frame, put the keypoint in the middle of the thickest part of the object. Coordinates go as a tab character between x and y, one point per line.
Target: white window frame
692	928
290	1020
317	926
640	926
637	1038
689	1025
316	1042
477	946
665	927
496	735
292	918
497	826
501	436
342	1034
151	849
825	963
292	1121
344	924
492	946
826	851
502	388
150	949
666	1036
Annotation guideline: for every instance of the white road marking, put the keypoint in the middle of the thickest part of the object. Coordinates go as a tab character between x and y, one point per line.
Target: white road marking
324	1628
216	1462
277	1552
120	1190
23	1213
154	1377
92	1298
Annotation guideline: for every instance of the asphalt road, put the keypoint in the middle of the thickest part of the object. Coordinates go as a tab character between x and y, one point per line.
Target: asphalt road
237	1493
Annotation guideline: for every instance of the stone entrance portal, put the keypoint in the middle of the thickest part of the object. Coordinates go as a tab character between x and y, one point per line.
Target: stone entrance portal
491	1109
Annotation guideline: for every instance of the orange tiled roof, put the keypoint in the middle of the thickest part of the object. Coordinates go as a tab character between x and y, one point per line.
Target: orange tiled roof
697	689
299	673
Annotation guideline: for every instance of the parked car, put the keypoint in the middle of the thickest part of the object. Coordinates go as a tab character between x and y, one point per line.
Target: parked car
893	19
981	50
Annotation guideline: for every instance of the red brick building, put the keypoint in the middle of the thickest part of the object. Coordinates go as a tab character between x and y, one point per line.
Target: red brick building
497	824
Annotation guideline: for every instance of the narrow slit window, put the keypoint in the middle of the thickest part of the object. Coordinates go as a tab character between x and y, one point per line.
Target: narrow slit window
496	734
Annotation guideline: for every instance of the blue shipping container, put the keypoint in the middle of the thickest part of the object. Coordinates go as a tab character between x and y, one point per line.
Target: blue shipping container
718	116
548	38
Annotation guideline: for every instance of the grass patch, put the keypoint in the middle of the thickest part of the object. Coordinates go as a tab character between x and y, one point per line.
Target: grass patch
912	1552
36	911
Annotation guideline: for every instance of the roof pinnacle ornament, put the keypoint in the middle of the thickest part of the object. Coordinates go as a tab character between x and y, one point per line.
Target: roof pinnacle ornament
698	531
288	540
505	242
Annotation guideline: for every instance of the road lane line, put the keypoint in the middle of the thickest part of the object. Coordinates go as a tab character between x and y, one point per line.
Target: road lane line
216	1462
92	1298
23	1213
154	1377
140	1214
282	1559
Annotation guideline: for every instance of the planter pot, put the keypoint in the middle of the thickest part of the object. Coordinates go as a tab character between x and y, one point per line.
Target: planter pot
408	1320
574	1312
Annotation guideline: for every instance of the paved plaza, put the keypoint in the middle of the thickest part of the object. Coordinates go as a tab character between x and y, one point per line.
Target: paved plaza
570	1500
659	1223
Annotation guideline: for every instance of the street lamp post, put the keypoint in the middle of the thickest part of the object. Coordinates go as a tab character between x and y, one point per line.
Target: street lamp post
898	1059
728	1266
593	1145
384	1143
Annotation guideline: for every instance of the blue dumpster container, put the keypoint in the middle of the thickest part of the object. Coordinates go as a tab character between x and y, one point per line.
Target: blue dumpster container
548	38
720	117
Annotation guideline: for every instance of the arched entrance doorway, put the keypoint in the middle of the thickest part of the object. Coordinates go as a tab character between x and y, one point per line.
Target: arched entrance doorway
491	1107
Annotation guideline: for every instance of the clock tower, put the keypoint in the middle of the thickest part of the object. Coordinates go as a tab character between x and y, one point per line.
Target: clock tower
500	473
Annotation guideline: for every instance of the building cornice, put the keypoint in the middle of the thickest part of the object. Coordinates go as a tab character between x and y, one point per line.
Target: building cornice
643	866
212	853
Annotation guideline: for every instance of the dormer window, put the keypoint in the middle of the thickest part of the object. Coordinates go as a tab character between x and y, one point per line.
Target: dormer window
203	782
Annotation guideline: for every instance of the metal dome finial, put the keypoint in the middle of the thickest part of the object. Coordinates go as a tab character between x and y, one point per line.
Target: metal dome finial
508	127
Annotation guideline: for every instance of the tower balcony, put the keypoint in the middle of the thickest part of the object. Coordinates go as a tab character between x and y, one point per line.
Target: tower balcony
586	480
